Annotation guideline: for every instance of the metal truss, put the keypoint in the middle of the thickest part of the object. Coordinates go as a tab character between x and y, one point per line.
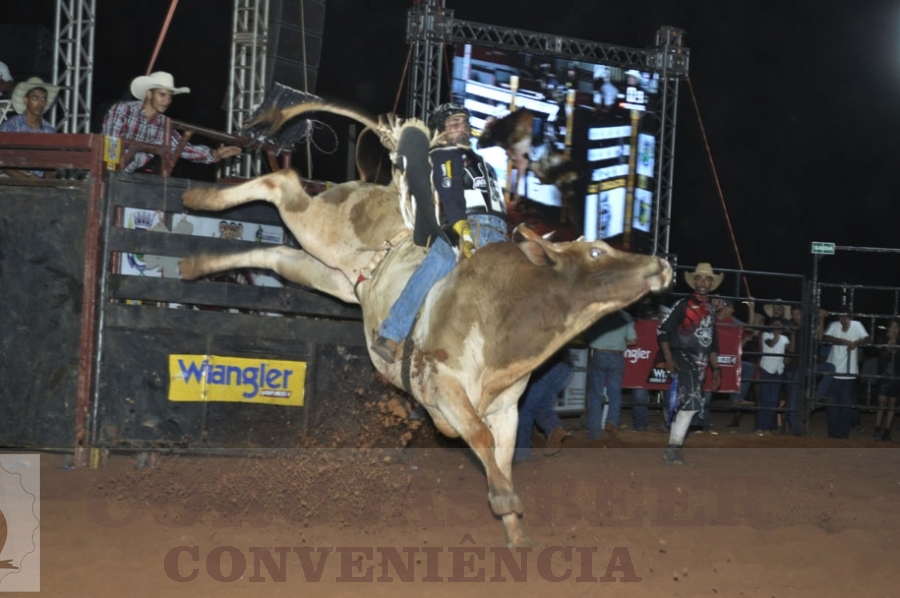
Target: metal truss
73	69
247	77
427	32
430	28
671	61
542	43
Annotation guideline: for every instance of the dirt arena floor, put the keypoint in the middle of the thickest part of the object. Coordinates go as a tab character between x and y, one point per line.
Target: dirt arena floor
756	517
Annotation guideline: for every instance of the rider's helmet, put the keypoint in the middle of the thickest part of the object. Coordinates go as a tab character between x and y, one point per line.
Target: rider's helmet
443	112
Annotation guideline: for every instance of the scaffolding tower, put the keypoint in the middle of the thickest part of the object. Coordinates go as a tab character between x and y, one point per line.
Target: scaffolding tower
73	69
247	77
431	27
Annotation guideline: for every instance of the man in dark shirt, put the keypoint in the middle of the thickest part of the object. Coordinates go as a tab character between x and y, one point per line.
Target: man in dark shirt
688	340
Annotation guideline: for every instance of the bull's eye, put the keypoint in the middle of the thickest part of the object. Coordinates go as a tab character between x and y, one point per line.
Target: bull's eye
596	252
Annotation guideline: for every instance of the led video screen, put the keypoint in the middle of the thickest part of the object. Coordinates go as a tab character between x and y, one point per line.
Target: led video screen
591	160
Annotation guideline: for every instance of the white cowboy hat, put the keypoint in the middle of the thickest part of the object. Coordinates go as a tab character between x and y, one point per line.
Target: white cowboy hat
158	80
22	89
704	268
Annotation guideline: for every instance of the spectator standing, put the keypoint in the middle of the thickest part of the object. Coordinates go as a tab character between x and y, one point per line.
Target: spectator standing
794	367
889	387
845	335
30	99
611	335
689	342
537	406
775	343
649	309
144	120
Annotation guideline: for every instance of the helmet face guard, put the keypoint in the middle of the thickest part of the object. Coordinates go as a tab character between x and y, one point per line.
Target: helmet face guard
439	117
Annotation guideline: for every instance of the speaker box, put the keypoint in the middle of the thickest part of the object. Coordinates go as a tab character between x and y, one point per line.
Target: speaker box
291	22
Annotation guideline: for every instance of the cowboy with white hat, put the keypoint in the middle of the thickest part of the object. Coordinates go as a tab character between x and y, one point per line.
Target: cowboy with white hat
143	120
689	342
30	99
704	270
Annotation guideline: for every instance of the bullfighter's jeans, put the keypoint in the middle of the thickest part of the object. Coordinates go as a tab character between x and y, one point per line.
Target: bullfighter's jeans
537	403
607	368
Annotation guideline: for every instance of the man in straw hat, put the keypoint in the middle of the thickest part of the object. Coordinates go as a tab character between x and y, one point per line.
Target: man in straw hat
30	99
144	120
688	340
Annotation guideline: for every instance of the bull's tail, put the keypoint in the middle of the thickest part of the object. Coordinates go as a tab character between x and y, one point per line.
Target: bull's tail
276	117
387	128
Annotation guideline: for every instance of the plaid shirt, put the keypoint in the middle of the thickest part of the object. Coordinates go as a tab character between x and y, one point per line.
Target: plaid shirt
128	121
18	124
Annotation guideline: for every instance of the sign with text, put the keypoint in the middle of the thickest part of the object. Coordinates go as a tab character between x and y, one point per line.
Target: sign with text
645	364
820	248
234	379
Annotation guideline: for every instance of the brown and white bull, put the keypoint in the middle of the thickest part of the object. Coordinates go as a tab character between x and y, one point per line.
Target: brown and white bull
483	329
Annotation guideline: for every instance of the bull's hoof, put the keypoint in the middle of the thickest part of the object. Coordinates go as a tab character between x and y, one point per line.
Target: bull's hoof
506	504
523	541
515	533
187	269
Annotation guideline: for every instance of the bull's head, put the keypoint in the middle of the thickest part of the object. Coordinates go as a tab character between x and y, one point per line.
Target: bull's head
605	274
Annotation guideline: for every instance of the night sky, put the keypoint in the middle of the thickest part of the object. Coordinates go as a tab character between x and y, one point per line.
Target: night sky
799	101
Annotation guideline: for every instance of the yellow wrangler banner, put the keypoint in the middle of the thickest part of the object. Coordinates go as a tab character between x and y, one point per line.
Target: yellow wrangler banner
236	380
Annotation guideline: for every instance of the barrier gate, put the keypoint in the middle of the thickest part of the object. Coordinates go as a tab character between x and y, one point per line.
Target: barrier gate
94	318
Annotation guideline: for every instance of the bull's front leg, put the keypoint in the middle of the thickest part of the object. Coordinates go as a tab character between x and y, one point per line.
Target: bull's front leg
294	264
279	188
503	425
456	408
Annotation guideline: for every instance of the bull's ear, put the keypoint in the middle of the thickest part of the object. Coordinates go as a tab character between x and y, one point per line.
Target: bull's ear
536	253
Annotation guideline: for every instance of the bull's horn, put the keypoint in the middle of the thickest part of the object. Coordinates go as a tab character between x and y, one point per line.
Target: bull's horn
526	232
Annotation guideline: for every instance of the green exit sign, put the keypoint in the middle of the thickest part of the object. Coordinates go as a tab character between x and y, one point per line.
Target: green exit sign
822	248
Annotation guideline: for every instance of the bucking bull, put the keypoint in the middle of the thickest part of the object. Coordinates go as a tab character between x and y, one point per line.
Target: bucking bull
483	329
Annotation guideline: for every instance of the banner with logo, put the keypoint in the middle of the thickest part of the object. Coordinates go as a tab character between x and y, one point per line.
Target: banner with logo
234	379
645	365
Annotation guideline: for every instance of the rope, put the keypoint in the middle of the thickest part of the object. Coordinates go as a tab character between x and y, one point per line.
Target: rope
309	166
712	165
310	142
162	35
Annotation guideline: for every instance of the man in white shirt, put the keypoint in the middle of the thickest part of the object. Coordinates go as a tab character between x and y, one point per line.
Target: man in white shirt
845	335
775	343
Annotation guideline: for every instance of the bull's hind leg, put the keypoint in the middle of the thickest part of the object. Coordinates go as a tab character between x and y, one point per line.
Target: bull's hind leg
294	264
279	188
